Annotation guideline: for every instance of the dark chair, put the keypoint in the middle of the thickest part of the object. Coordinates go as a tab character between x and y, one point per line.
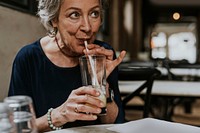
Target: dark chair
173	102
135	71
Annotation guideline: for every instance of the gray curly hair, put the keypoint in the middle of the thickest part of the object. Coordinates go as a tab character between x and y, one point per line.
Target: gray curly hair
48	10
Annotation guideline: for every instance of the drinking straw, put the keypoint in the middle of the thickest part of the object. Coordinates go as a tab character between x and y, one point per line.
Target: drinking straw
94	79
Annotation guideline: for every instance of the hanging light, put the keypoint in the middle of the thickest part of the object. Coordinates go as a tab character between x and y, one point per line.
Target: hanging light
176	16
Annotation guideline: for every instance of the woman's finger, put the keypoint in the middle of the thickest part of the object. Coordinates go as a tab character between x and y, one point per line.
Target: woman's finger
120	58
89	90
112	64
87	99
100	51
87	109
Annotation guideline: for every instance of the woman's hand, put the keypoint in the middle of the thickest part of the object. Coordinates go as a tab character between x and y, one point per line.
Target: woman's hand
110	63
82	104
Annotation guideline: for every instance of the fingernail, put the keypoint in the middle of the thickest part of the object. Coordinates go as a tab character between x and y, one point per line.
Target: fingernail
97	93
99	110
101	104
94	116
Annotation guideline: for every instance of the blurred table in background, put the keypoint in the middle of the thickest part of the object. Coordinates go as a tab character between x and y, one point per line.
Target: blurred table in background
168	90
176	83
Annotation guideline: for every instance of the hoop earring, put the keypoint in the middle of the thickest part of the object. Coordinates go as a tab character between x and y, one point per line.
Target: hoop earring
52	33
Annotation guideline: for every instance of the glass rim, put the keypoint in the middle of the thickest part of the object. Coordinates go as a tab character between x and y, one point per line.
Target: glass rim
93	56
18	101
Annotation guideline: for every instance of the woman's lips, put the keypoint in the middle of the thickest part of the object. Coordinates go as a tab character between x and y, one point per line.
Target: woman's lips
83	39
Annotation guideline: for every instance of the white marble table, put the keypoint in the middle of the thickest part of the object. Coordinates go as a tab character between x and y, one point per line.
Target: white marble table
147	125
87	129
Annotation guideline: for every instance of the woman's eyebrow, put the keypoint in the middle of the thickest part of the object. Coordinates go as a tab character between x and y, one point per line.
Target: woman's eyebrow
76	8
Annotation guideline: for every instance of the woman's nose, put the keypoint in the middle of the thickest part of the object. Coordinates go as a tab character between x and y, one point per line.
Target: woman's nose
86	25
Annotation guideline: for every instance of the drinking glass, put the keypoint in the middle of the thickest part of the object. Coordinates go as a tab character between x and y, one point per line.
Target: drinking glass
6	121
23	113
93	74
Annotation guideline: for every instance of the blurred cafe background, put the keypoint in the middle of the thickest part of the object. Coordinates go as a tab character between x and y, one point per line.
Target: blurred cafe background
161	38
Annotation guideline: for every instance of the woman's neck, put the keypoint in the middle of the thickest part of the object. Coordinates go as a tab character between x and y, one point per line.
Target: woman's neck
56	54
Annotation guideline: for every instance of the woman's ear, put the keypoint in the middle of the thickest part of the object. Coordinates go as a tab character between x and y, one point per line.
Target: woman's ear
52	33
54	22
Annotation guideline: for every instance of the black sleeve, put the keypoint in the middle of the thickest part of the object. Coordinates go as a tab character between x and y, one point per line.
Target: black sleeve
113	84
20	79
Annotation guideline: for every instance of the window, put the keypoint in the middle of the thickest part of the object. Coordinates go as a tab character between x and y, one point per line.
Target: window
175	41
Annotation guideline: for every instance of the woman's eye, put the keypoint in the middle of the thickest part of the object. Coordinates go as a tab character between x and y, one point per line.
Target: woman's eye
74	15
95	14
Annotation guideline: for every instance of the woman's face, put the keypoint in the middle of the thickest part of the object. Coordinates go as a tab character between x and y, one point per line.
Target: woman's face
78	20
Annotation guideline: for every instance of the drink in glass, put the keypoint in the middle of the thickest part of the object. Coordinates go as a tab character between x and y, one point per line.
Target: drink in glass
93	74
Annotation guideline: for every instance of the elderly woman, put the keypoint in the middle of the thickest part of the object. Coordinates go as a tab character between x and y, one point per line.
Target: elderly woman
48	69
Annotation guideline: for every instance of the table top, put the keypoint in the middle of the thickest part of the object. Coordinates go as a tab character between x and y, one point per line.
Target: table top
87	129
147	125
164	88
181	71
